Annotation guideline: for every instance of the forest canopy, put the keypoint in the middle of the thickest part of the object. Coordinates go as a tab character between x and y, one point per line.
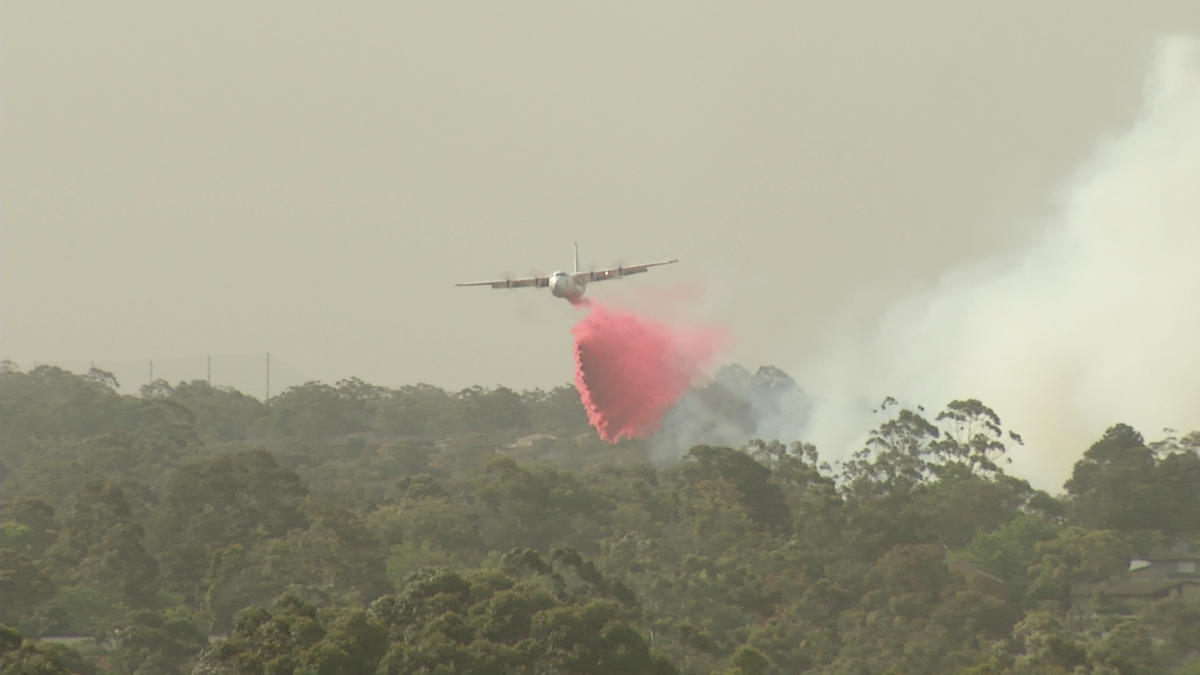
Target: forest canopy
352	528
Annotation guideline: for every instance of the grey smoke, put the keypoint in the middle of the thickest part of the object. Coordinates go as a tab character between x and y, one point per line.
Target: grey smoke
733	408
1096	322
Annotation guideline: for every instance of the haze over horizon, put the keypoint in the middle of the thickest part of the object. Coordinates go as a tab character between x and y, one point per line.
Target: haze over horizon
228	179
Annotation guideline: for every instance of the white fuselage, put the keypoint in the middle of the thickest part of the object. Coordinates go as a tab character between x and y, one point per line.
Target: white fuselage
564	285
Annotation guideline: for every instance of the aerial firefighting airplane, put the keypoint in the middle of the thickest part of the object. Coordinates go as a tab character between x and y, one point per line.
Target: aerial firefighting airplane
571	285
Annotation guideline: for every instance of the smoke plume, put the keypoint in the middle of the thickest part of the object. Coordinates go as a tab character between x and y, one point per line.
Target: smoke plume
631	369
1096	322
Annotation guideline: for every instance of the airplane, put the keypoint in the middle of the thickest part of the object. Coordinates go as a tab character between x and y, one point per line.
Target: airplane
571	285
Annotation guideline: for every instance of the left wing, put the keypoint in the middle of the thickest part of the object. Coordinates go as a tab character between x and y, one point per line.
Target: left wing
538	282
618	272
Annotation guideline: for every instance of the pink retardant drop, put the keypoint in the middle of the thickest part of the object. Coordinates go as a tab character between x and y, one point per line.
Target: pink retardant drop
631	369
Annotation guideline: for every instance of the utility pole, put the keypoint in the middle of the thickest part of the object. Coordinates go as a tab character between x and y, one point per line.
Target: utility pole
267	400
151	371
208	369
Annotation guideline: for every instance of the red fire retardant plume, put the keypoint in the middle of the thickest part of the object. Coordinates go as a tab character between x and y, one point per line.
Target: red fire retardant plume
631	369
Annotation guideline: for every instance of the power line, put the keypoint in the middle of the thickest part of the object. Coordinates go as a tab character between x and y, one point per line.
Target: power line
253	373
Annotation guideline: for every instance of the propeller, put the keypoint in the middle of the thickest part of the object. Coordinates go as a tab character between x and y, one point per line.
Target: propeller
620	267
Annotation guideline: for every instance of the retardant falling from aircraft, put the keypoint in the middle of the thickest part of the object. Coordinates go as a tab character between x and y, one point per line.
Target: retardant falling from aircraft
630	370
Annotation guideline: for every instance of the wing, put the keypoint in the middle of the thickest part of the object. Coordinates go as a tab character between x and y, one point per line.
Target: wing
618	272
536	282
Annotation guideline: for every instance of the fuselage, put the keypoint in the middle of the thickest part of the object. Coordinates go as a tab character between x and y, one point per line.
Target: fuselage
564	285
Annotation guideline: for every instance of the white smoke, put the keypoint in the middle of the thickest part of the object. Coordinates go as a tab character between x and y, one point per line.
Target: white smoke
1096	322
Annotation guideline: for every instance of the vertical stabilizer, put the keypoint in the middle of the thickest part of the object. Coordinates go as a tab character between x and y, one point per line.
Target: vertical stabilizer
576	257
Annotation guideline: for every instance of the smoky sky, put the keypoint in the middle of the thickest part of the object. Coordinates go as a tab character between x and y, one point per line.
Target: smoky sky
310	180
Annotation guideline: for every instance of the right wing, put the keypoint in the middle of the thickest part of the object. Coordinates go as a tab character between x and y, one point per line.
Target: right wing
619	272
538	282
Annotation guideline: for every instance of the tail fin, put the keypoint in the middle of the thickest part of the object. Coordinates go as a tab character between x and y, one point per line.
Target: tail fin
576	257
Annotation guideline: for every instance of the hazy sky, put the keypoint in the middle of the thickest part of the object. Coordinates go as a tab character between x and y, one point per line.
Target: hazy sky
311	179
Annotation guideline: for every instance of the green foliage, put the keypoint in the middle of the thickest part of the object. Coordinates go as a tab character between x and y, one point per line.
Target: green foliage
242	498
439	622
220	414
316	411
415	410
30	657
734	477
27	524
353	528
49	401
1009	550
749	661
1175	477
79	610
1112	485
536	506
592	639
557	411
1075	554
26	584
907	451
424	528
293	636
100	546
1043	645
498	409
334	558
154	642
